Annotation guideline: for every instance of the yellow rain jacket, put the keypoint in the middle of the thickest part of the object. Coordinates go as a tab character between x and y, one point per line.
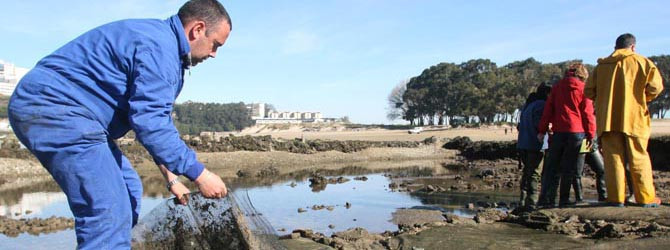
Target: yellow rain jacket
621	86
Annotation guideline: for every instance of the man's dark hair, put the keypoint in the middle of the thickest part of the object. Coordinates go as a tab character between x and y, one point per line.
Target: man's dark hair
625	41
543	90
209	11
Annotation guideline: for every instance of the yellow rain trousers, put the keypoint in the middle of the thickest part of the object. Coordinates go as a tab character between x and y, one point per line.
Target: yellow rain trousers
621	86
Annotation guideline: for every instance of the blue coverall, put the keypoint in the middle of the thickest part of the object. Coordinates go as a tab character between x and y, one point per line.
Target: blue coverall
71	106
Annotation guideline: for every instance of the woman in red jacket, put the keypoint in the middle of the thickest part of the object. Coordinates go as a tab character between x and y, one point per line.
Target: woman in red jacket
571	117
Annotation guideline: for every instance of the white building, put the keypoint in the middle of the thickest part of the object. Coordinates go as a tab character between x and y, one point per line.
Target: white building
274	117
9	77
256	110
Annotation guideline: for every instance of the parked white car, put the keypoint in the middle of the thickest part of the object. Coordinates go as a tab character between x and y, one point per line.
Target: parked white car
415	130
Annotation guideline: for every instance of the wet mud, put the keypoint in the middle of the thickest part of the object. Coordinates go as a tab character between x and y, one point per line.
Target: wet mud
267	143
34	226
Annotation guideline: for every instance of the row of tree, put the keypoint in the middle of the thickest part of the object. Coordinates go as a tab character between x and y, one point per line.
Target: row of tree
480	91
193	117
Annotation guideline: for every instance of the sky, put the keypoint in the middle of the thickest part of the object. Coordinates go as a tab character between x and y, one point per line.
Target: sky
343	57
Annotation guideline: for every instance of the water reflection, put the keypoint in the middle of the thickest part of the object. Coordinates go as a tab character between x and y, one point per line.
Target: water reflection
277	198
371	205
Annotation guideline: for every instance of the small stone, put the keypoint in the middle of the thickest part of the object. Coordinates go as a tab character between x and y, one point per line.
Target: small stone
293	184
295	236
301	210
331	226
347	205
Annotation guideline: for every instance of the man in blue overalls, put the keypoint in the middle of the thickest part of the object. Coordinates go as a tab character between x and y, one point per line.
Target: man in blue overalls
120	76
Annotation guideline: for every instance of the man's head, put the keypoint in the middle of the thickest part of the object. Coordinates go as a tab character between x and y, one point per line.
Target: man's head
207	26
625	41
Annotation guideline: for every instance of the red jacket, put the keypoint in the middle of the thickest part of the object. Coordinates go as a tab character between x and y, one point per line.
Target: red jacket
568	110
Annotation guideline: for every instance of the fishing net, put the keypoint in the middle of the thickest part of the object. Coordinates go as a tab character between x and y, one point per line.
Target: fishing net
228	223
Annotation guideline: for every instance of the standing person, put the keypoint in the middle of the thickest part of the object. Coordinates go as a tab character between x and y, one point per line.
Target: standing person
530	149
118	77
622	85
571	117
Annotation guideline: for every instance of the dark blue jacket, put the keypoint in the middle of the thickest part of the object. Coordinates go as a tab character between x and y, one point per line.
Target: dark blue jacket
528	125
127	75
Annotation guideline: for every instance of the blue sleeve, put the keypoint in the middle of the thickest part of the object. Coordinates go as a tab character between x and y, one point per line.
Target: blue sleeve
537	111
151	97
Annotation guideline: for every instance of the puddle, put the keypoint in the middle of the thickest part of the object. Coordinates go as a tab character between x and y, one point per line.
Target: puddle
371	206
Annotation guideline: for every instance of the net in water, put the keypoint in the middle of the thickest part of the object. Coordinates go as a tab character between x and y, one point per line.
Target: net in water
228	223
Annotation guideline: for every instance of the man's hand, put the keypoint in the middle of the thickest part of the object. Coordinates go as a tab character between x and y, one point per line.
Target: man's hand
180	191
540	137
211	185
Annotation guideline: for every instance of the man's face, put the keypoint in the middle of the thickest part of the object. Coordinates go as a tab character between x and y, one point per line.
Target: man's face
206	43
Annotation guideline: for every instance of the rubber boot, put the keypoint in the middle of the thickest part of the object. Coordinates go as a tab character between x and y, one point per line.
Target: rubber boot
577	186
564	194
595	161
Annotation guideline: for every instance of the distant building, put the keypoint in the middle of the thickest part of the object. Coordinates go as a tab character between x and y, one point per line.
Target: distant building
256	110
10	75
258	114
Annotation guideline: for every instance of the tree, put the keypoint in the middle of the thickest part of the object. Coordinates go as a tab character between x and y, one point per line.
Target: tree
661	104
474	89
193	117
269	108
396	107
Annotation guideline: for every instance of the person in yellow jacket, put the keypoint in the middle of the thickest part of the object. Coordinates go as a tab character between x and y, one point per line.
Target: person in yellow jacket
621	86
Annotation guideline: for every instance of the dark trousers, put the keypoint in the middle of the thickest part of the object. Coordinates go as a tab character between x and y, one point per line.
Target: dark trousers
561	165
532	168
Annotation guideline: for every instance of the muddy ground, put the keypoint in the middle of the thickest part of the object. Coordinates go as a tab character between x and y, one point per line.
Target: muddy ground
35	226
584	228
443	166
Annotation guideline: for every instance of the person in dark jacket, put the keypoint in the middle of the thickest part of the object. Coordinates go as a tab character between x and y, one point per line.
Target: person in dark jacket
572	120
121	76
531	151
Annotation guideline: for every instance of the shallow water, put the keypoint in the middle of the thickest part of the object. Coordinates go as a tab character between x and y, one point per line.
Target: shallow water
372	205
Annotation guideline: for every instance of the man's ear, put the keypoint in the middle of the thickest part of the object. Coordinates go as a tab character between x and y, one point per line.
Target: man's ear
632	47
197	30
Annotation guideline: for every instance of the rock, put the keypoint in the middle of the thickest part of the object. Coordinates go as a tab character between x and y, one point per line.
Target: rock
293	184
347	205
301	210
331	226
243	173
294	236
268	171
608	231
490	216
330	208
325	241
361	178
352	234
470	206
305	233
430	140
